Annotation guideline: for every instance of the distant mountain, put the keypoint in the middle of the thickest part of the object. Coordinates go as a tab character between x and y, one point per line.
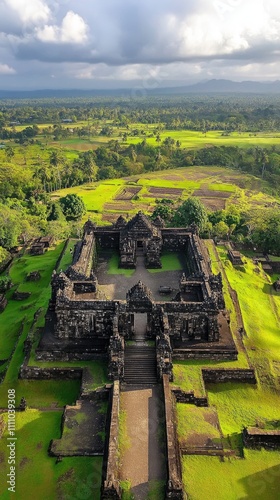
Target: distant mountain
60	93
225	86
206	87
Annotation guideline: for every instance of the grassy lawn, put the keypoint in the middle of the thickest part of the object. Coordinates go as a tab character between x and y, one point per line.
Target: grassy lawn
113	266
67	258
242	405
255	477
170	262
194	420
19	314
253	287
187	374
188	377
41	393
244	190
38	476
238	405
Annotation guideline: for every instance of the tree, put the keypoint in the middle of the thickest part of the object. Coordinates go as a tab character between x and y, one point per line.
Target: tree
221	230
106	173
59	229
57	158
55	212
10	227
165	210
190	212
265	230
9	153
72	206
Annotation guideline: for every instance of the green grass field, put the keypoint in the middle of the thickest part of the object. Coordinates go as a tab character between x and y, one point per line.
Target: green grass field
257	477
38	475
191	139
232	187
237	405
19	314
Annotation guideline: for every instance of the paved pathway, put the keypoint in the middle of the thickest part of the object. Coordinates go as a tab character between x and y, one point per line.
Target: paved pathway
144	460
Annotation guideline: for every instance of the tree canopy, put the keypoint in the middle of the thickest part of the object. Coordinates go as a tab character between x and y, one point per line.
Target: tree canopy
72	206
192	211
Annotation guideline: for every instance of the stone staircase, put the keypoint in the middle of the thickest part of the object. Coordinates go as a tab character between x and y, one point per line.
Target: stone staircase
140	365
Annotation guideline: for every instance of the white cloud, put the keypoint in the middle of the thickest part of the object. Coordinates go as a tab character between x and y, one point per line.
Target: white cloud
127	40
6	70
73	29
30	11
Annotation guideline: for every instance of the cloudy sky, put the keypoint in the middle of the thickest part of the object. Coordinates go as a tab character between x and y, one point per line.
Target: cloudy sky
146	43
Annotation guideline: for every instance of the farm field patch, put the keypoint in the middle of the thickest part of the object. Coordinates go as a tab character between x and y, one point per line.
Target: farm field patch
216	187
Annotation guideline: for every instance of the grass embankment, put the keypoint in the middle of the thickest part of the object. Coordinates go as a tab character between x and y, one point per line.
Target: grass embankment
240	405
256	477
67	256
38	475
18	317
192	419
21	313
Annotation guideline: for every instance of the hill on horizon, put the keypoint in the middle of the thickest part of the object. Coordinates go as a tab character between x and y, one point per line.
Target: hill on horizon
216	86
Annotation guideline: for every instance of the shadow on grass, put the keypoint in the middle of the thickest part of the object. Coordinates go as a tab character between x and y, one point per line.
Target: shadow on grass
264	485
270	290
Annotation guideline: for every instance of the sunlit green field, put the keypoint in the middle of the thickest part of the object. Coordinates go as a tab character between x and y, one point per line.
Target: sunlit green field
191	139
38	475
257	477
195	139
101	198
238	405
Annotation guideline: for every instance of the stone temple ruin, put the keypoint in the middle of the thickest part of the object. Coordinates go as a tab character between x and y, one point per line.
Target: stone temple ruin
82	323
139	323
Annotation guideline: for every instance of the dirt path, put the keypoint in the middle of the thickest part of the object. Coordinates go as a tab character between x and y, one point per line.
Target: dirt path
143	461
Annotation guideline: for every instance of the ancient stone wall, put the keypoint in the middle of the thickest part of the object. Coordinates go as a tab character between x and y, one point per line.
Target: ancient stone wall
174	239
275	266
189	398
221	354
107	238
254	437
110	488
88	354
174	488
37	373
217	376
84	318
84	264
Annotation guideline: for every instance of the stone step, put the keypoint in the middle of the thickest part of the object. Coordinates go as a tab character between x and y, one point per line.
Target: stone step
140	365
